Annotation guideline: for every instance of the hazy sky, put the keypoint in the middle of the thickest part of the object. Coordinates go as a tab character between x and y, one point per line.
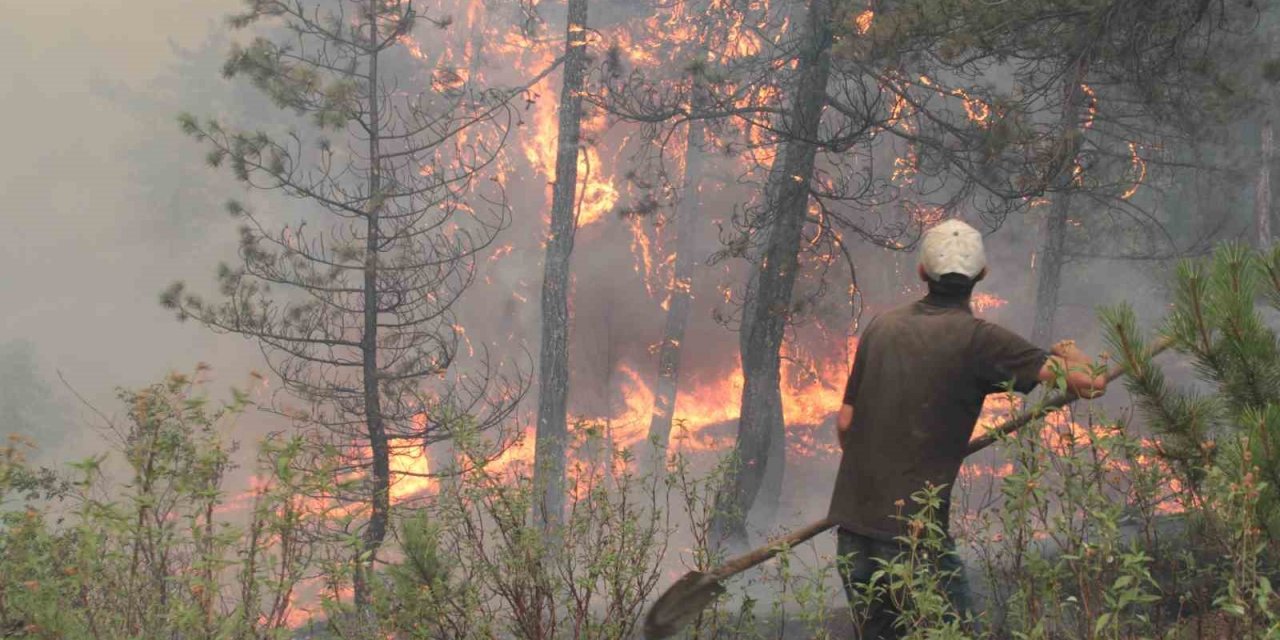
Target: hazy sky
80	265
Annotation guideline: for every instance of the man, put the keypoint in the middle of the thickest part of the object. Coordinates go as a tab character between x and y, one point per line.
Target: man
919	379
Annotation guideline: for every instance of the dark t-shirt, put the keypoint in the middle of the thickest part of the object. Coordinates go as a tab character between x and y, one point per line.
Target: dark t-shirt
919	379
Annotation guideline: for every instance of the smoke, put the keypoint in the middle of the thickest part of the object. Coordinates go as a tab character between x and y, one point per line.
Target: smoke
82	165
107	203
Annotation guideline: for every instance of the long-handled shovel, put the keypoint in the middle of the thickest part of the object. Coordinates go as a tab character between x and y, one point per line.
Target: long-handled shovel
681	603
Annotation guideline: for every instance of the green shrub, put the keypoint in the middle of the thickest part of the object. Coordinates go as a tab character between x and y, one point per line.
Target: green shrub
147	552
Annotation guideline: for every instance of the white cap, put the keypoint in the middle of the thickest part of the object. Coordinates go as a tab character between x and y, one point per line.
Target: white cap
952	247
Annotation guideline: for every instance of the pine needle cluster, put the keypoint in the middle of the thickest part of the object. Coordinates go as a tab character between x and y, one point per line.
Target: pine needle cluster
1219	321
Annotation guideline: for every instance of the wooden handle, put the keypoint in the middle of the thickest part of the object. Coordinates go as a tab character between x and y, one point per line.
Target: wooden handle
1057	401
754	557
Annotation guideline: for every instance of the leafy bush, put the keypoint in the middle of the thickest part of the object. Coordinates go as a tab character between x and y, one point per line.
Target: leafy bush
152	554
1162	523
507	575
1223	445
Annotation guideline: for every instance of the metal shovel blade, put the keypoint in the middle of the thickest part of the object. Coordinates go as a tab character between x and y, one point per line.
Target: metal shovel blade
681	604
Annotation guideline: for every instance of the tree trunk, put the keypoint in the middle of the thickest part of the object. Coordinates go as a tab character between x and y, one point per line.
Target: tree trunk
553	361
768	301
1053	250
380	478
603	447
1049	279
1262	193
769	498
681	294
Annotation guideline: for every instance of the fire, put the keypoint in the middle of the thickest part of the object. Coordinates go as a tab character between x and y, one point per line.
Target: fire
925	216
759	150
863	21
501	252
642	248
743	40
996	409
897	112
905	167
597	193
983	302
812	392
1063	436
977	110
1091	107
412	47
540	146
1001	470
1139	169
516	457
410	474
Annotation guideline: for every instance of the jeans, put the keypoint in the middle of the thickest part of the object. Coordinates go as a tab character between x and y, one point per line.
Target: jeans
860	554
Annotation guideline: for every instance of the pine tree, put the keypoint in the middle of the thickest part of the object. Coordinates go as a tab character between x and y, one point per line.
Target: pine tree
1217	323
352	306
553	362
681	291
766	312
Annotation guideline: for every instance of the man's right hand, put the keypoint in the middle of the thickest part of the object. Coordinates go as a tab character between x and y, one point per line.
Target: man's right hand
1067	350
1079	368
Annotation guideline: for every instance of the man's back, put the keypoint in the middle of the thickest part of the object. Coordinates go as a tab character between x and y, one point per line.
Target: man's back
919	380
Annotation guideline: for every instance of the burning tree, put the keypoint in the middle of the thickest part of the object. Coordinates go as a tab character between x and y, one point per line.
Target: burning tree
732	64
768	298
695	83
653	101
1101	78
1112	90
553	364
690	100
852	108
352	305
819	186
960	146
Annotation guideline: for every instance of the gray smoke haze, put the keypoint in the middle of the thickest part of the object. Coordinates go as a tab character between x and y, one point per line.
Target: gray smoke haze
85	250
107	203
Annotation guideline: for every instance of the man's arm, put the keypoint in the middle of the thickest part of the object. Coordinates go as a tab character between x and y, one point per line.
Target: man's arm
1079	368
843	422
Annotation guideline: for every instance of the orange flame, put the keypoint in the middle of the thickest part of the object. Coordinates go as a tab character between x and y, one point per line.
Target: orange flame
811	393
983	302
1139	167
1091	107
863	21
